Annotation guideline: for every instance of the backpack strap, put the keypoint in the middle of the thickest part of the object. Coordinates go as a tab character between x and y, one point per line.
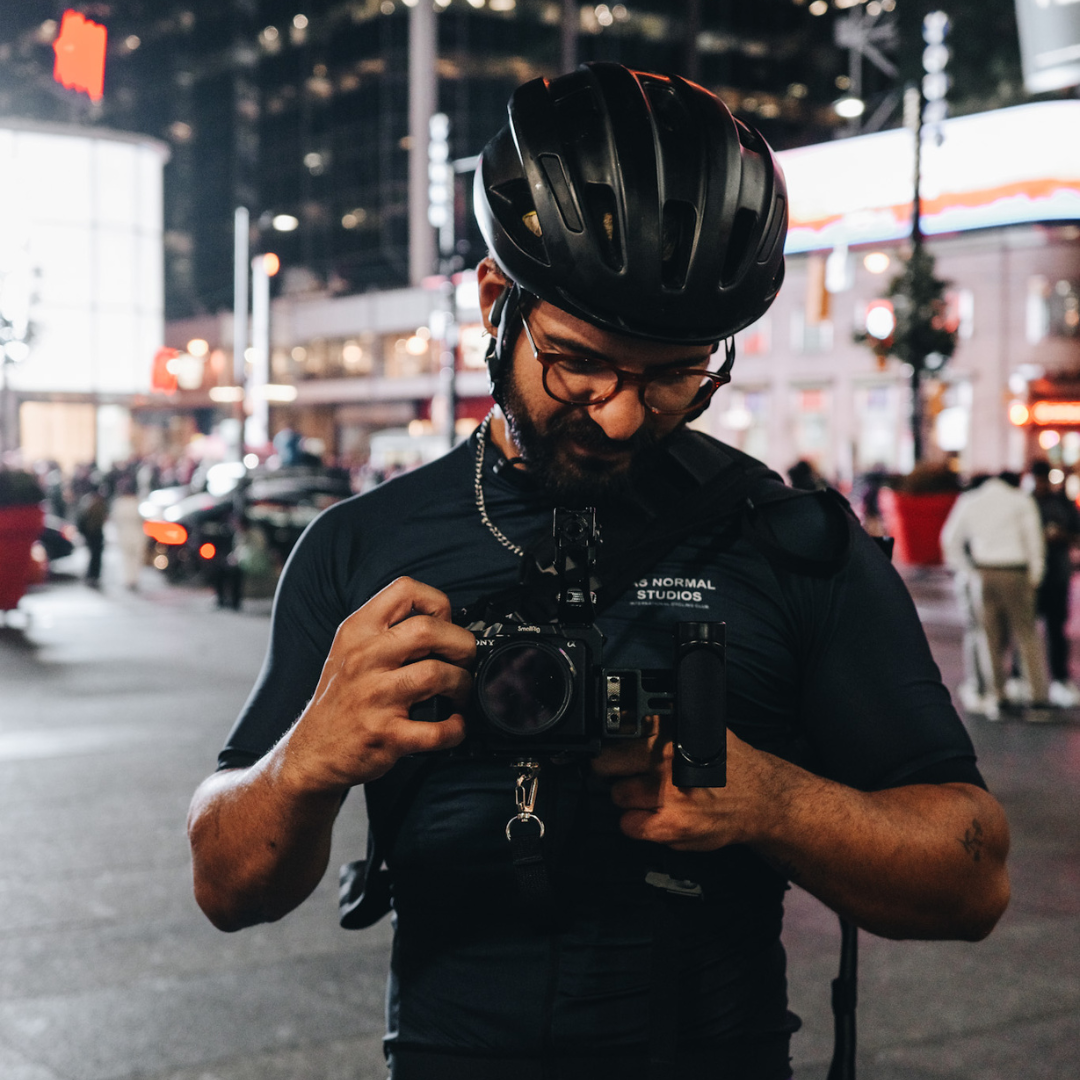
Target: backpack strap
758	530
704	483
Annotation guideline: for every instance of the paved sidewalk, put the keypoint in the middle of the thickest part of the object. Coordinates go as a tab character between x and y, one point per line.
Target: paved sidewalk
112	708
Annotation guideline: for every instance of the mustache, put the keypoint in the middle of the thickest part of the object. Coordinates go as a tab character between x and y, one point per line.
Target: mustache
590	436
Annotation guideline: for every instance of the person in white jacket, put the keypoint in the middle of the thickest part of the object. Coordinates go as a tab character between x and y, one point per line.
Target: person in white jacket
129	531
995	531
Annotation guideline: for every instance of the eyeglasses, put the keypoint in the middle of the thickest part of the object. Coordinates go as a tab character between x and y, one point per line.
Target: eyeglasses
590	380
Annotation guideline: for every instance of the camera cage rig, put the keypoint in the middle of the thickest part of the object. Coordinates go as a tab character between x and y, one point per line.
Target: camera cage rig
541	690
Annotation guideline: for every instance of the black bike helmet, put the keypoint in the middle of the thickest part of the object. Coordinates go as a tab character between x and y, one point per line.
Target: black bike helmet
636	202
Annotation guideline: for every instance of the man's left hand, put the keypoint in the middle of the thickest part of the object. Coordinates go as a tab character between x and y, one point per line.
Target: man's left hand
691	819
922	861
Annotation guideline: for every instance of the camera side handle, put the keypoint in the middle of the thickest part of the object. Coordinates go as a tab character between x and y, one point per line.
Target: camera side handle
700	705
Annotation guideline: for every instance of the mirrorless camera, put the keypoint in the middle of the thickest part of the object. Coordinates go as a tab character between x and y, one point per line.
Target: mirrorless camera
543	690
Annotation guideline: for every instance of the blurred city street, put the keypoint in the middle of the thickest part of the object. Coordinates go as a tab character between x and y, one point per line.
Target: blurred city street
114	705
258	257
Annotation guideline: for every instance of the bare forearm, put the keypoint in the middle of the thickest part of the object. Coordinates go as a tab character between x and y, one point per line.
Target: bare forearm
258	847
925	861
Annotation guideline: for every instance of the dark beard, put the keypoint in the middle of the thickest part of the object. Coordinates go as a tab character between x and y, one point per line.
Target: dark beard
575	481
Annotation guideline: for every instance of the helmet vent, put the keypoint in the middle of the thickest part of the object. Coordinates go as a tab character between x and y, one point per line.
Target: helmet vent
669	112
603	212
517	215
677	242
778	222
580	119
555	175
742	229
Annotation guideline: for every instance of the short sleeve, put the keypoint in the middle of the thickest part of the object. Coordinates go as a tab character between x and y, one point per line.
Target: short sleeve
876	712
308	609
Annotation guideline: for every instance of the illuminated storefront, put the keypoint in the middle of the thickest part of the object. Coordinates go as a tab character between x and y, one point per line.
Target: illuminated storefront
81	214
362	365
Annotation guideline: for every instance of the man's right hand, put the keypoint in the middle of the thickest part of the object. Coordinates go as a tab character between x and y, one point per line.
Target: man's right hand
260	836
400	648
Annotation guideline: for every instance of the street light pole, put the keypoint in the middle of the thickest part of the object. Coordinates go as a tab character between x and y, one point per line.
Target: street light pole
257	431
16	298
569	37
913	115
241	240
5	409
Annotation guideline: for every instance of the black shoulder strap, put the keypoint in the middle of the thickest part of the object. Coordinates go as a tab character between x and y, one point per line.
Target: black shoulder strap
716	483
758	530
724	493
364	885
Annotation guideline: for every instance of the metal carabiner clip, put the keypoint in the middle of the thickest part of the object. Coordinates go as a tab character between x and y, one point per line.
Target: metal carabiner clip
526	788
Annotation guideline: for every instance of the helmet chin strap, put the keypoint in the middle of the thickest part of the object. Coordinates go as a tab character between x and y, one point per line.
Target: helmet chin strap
504	317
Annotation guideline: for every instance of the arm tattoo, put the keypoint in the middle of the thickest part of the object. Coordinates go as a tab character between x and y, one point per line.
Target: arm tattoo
973	841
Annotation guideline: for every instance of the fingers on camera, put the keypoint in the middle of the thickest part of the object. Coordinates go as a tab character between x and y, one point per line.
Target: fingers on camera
428	678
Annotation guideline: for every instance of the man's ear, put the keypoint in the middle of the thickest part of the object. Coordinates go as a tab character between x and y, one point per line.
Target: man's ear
492	285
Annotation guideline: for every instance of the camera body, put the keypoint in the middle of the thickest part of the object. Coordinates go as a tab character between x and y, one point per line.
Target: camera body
543	690
537	689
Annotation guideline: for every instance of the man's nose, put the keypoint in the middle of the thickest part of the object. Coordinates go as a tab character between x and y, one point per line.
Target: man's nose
620	416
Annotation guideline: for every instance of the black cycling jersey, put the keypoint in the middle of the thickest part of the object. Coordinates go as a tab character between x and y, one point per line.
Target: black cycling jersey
831	672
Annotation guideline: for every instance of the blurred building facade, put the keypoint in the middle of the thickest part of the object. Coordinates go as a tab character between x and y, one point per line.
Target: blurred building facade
300	109
314	116
1004	228
1000	211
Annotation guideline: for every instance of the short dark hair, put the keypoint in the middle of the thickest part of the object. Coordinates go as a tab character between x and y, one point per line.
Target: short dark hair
1040	468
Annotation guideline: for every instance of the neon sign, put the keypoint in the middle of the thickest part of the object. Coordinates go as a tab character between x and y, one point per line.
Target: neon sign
1055	412
162	378
80	55
1005	167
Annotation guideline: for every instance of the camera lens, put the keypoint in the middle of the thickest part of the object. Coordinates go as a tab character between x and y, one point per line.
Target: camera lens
574	529
525	687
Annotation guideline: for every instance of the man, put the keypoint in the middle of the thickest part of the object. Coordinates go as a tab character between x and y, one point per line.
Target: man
633	224
996	531
1061	530
976	692
93	512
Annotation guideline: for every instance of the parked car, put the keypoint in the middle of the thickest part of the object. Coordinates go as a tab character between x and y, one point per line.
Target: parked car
191	537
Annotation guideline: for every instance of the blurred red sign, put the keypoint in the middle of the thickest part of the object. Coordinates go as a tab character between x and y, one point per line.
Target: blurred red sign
161	378
80	55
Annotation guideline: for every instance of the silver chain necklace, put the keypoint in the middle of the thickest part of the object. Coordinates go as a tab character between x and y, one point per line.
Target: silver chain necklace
478	489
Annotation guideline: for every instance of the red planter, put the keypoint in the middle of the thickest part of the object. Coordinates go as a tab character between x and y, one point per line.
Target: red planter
916	521
20	526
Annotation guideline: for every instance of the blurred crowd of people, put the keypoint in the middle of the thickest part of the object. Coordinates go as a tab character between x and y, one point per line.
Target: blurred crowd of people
89	497
1009	540
1010	545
